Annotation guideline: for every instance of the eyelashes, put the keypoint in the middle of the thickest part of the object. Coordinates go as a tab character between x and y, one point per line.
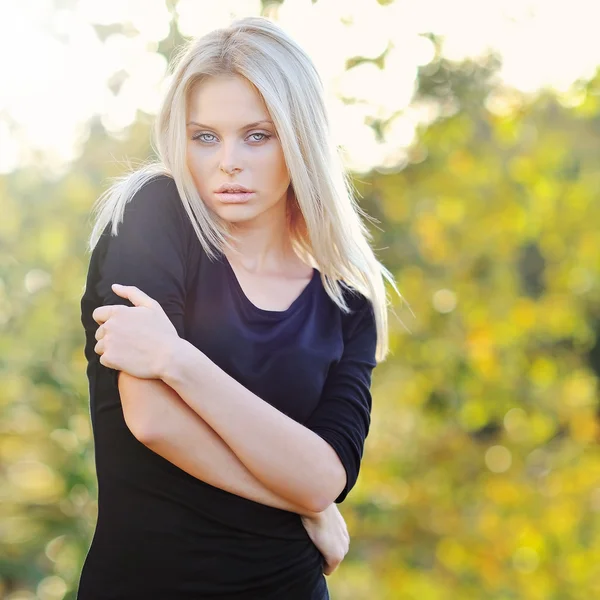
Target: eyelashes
200	136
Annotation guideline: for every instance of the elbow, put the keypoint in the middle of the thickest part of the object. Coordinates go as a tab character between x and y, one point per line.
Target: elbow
319	504
142	429
332	487
138	418
144	433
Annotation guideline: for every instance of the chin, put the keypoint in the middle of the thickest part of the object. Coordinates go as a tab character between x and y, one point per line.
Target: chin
244	213
236	213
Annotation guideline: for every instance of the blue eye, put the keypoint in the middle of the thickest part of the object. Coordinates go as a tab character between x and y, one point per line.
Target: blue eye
201	136
264	136
197	137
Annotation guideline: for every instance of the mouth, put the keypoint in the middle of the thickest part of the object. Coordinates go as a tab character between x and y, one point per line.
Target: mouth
234	197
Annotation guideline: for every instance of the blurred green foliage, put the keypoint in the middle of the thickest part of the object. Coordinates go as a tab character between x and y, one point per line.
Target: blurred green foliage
481	476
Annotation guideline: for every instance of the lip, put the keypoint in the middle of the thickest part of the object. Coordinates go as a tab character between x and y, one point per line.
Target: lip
232	188
235	198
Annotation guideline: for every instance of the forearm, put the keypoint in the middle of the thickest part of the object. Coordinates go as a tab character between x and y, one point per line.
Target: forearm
285	456
169	427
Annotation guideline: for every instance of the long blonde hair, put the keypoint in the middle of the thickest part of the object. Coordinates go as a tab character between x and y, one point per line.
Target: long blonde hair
325	221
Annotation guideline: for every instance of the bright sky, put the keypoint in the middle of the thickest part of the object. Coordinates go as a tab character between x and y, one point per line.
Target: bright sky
55	69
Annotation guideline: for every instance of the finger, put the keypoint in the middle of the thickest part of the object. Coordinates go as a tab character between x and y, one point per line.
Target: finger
104	361
100	332
102	314
330	567
134	295
99	348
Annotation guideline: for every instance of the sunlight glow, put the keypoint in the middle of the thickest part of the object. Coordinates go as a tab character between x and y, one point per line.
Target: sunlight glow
197	17
64	73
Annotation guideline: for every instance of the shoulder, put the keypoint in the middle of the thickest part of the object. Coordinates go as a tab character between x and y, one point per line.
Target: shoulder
357	302
152	213
155	208
361	313
159	193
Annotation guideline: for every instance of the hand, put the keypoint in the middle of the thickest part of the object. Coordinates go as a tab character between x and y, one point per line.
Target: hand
329	534
136	339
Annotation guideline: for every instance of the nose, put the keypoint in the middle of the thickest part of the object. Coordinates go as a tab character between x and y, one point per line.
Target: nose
229	169
229	163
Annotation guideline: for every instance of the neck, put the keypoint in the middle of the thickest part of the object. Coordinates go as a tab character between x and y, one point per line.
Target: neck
263	245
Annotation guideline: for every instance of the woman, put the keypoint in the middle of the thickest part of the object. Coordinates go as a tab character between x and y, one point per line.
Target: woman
230	395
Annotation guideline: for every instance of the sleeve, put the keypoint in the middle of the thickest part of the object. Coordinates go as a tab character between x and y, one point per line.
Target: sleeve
149	251
343	415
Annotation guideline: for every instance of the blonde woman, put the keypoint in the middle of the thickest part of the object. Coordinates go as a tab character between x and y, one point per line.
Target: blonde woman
230	373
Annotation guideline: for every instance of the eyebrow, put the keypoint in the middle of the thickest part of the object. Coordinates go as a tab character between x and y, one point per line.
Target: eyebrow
249	126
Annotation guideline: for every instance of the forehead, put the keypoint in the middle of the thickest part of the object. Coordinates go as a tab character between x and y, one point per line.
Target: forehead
226	100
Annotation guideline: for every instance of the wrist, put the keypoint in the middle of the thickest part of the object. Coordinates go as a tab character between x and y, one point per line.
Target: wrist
173	362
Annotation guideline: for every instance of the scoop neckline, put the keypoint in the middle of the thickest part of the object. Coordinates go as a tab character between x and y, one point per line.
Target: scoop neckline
262	311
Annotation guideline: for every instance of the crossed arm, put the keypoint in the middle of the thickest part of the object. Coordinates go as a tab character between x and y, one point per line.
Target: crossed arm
187	441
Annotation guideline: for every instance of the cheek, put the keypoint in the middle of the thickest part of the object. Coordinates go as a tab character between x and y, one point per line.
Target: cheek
197	159
273	165
199	165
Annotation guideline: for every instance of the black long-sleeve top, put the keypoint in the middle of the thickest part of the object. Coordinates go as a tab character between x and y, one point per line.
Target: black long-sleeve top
162	534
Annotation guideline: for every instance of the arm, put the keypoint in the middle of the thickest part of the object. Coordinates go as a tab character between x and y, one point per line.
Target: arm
313	464
189	443
288	458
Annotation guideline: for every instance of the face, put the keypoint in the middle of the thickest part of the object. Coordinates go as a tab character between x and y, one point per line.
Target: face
232	140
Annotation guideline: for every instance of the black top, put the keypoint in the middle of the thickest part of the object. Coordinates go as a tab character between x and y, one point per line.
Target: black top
162	534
